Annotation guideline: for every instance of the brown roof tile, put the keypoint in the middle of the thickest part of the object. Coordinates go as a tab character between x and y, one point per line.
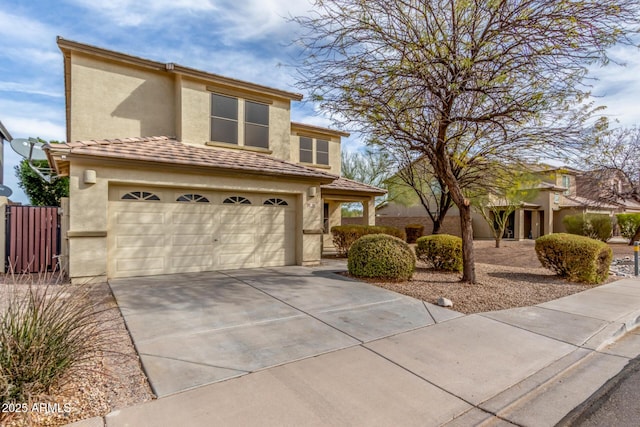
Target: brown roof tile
344	184
160	149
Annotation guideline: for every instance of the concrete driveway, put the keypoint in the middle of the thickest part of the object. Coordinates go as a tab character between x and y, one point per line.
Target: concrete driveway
198	328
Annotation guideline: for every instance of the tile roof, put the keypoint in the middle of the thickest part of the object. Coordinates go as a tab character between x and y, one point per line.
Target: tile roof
348	185
161	149
577	201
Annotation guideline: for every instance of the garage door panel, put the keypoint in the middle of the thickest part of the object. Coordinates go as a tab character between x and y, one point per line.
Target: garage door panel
148	238
231	219
202	261
238	260
139	218
140	264
205	240
237	239
192	218
135	241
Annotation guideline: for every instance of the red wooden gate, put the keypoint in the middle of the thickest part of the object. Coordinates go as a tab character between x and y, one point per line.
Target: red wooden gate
32	238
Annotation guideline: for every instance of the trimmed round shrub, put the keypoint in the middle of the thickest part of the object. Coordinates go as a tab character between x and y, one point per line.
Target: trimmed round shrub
442	251
380	256
576	258
413	232
345	235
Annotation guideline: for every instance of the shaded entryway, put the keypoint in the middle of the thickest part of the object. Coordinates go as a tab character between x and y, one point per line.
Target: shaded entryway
198	328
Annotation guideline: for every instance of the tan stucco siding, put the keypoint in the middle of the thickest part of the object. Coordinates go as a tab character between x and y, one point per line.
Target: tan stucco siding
279	130
195	113
109	100
89	208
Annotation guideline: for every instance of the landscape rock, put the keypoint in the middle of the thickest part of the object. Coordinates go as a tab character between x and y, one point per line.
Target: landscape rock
444	302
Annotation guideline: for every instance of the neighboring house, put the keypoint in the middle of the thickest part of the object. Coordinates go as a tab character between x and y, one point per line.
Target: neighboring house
4	136
177	170
557	195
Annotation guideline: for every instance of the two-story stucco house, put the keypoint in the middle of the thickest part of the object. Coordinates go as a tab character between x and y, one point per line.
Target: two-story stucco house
177	170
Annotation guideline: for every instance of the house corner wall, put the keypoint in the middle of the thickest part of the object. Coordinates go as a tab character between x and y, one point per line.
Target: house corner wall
3	232
87	229
64	240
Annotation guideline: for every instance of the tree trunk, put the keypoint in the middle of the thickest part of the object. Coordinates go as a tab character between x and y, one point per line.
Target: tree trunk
436	226
636	237
468	261
498	240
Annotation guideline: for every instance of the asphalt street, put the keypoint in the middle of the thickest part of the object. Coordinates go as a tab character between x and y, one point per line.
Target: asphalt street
616	403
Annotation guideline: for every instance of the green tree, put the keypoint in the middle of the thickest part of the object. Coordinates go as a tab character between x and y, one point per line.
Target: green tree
467	84
39	191
506	195
371	167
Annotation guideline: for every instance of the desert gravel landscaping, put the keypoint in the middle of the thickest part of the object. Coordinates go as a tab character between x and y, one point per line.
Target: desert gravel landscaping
509	276
111	381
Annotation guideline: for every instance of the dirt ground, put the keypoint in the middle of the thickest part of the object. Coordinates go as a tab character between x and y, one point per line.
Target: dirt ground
507	277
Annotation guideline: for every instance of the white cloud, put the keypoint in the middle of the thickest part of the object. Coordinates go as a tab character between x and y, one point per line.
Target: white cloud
27	40
23	30
618	86
133	13
33	88
33	119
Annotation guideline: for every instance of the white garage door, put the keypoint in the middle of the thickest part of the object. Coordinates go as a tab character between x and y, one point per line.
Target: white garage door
198	232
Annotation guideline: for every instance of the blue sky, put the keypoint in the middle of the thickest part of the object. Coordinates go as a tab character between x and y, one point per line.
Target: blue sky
248	39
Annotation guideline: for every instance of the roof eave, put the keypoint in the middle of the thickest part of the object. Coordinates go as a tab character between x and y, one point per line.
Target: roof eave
60	156
4	133
67	46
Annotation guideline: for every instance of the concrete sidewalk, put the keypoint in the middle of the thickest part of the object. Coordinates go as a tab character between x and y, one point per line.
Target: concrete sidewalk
528	366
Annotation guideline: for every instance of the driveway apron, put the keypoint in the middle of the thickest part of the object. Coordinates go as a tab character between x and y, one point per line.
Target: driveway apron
194	329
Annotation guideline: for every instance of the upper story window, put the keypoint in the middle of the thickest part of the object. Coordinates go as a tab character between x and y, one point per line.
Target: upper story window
224	119
307	152
322	152
566	182
227	119
306	149
256	124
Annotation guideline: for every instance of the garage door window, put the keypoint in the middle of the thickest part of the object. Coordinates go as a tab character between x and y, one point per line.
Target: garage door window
236	200
192	198
140	195
275	202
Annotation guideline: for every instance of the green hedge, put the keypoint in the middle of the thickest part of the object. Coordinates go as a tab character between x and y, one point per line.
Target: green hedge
628	224
380	256
413	232
576	258
595	226
345	235
442	251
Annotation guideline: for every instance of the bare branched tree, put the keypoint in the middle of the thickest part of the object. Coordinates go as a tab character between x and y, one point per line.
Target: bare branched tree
465	83
613	161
